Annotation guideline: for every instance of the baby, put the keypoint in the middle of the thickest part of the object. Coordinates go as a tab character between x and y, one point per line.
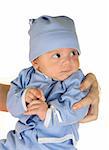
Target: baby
42	95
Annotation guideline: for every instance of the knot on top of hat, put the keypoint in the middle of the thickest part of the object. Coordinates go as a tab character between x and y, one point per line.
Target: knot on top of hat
31	21
45	18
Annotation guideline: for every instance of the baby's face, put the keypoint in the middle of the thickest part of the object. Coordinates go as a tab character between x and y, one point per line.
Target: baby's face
58	64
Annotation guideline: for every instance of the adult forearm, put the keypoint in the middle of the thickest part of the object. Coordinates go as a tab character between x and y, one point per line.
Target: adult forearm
3	96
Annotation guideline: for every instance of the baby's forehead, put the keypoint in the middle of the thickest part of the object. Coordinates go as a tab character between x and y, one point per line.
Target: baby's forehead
60	50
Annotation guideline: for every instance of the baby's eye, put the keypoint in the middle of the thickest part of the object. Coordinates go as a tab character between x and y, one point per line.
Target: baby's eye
56	55
73	53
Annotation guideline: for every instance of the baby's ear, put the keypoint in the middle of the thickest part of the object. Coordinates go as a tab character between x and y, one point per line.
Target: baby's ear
35	64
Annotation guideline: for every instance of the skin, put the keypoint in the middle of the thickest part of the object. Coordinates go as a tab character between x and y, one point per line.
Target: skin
58	64
91	99
62	63
36	104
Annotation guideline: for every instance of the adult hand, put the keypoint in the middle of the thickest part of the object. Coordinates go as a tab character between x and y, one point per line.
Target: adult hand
91	99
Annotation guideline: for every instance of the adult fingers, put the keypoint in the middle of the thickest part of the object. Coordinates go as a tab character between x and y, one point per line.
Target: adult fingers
88	118
91	98
84	102
88	81
92	114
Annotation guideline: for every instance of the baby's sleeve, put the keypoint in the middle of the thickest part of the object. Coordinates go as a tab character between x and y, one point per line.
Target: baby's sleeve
61	109
14	102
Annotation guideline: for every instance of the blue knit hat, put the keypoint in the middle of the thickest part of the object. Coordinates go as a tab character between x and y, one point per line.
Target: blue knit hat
49	33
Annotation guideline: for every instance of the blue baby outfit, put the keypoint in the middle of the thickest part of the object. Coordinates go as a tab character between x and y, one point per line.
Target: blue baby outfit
62	129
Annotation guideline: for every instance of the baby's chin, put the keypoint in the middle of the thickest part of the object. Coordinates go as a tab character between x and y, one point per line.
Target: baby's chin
62	77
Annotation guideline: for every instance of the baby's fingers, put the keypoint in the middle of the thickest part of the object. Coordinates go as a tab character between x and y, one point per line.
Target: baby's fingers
31	112
33	102
36	92
33	107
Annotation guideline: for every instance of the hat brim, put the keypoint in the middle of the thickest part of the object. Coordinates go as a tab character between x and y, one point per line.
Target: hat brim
51	41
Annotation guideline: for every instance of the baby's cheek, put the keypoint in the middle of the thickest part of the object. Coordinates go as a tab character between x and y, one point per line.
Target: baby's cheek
50	71
76	61
75	66
54	71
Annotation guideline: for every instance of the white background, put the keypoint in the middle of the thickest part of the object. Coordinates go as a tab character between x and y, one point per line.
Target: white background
91	19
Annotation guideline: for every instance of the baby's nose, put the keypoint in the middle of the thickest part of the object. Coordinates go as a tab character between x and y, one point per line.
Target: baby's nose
67	61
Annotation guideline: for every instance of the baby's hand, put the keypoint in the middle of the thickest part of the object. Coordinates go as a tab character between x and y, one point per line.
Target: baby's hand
33	94
37	107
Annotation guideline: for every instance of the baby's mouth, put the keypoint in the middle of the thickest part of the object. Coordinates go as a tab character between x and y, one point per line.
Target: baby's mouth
66	71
